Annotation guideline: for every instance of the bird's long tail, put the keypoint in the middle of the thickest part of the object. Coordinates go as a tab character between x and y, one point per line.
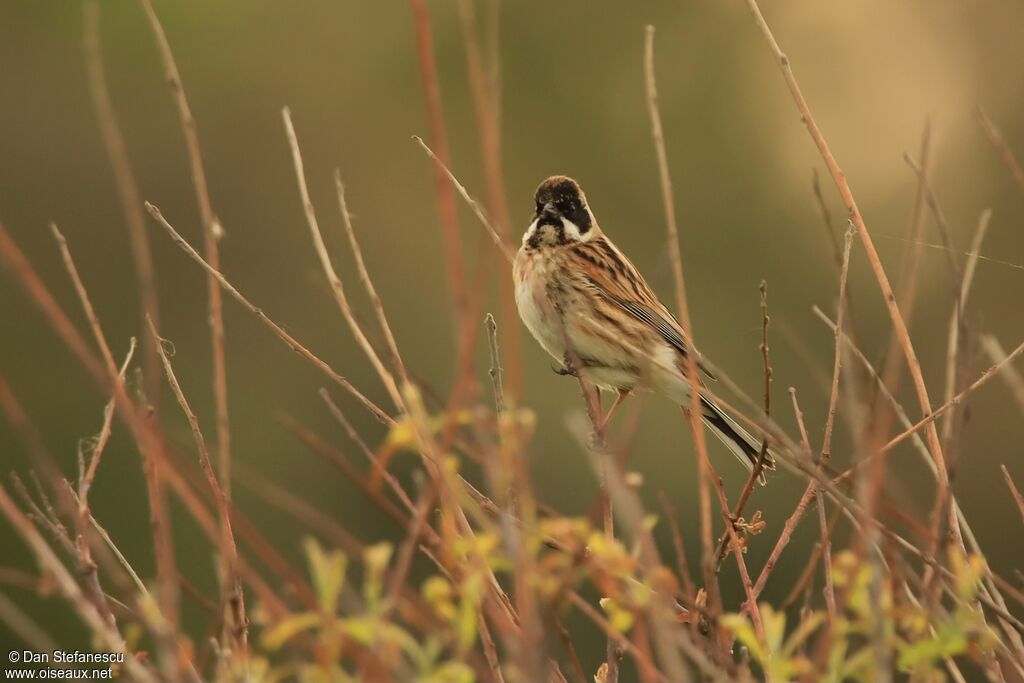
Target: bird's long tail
737	439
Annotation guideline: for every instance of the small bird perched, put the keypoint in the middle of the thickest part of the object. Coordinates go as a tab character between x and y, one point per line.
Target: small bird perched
590	308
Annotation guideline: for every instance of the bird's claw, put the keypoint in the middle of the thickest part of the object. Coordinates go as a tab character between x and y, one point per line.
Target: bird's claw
564	371
567	369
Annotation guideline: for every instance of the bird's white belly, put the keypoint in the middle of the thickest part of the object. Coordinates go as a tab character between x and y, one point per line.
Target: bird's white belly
538	314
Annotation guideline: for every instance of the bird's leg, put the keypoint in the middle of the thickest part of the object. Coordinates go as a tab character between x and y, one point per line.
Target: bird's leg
623	393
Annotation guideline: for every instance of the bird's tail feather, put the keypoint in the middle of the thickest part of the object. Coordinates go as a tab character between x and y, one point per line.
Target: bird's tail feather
746	449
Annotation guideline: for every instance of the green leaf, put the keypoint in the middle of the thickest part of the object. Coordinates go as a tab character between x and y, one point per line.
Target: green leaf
283	631
328	570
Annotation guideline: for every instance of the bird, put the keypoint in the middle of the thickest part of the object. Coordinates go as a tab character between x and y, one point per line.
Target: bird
588	306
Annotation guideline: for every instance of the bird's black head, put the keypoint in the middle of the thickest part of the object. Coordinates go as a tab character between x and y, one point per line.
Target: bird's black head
561	197
561	214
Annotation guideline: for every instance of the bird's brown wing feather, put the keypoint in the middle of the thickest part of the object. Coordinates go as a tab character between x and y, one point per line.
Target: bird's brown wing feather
618	281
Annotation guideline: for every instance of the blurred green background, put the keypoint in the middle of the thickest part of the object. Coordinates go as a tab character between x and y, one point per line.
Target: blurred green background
573	102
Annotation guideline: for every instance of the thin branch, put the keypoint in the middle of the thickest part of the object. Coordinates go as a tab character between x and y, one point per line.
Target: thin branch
149	444
231	591
337	288
83	296
900	329
106	634
499	241
1005	153
955	347
693	412
1014	380
486	98
789	526
212	232
929	420
364	277
757	472
658	134
290	341
833	396
159	514
127	187
1013	490
439	140
495	371
85	484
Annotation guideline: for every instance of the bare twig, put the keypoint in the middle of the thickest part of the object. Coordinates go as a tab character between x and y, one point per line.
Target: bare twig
445	198
103	437
212	232
103	631
1013	490
826	442
364	276
692	413
499	241
127	187
996	138
486	100
1014	380
839	177
757	472
955	347
495	371
231	591
929	420
90	312
290	341
791	522
337	288
148	442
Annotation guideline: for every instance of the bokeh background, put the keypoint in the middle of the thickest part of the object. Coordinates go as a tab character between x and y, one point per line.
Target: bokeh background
572	102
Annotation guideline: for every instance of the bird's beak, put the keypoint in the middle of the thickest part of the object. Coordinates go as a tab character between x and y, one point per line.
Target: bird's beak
548	215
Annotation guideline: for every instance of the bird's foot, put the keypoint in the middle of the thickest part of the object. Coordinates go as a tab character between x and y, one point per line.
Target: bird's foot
567	369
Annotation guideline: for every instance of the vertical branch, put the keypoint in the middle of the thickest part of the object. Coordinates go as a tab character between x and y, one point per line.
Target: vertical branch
212	232
148	441
693	414
486	94
442	167
1005	153
337	288
364	276
955	347
833	396
127	189
1013	379
839	178
279	331
83	296
912	255
758	469
231	589
496	370
104	632
464	329
826	440
1014	491
667	200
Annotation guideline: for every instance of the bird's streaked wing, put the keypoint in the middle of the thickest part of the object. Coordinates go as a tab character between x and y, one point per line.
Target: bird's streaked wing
619	282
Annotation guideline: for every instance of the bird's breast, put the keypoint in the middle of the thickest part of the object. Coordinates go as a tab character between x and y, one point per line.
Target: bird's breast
533	271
